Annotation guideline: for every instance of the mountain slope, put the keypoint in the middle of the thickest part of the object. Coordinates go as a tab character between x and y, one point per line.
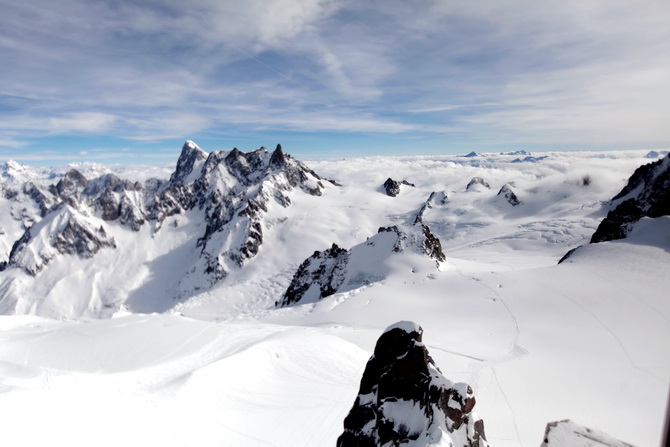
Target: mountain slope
208	219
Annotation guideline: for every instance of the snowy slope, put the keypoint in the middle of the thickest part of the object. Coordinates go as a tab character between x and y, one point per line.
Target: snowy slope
587	340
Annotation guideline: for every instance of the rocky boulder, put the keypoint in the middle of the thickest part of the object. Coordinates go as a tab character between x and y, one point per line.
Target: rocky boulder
404	399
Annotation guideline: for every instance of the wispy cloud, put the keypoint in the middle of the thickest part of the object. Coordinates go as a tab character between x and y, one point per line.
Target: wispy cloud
521	71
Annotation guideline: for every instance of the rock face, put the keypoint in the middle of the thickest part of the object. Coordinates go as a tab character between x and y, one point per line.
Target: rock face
438	198
567	433
230	192
647	194
405	400
336	269
63	231
507	193
392	187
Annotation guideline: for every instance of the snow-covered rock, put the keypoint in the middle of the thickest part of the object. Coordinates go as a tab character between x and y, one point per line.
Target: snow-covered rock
404	399
567	433
336	269
65	231
392	187
647	194
476	184
508	194
436	198
225	194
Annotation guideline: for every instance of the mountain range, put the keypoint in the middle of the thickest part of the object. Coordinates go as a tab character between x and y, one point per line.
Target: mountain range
235	297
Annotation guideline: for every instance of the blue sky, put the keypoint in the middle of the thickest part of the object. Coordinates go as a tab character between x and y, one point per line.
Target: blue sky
122	81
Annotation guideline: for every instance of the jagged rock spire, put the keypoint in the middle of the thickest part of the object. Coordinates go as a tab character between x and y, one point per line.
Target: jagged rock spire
405	400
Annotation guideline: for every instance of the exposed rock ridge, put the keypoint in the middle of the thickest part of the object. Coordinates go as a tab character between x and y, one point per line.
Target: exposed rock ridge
647	194
231	191
392	187
336	269
318	276
435	199
507	193
63	231
404	399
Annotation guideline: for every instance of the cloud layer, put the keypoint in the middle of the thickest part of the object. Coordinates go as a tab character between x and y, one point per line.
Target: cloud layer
568	74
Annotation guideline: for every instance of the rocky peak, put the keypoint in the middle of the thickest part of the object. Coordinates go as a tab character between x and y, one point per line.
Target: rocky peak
336	269
404	399
63	231
13	172
318	276
72	182
392	187
191	157
246	167
507	193
278	159
647	194
436	198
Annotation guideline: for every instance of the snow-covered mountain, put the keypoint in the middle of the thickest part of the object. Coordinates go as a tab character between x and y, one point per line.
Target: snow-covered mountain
337	270
219	200
141	311
647	194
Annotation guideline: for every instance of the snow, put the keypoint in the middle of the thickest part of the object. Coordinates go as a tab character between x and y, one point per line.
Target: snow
405	326
586	340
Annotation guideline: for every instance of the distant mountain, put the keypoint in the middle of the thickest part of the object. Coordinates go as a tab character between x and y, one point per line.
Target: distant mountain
224	196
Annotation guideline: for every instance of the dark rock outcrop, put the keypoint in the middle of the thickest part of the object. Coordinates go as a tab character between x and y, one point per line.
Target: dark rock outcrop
567	433
405	400
507	193
72	181
318	276
190	160
647	194
392	187
336	269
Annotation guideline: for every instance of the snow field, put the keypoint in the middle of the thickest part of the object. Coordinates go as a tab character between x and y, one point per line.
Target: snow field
586	340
